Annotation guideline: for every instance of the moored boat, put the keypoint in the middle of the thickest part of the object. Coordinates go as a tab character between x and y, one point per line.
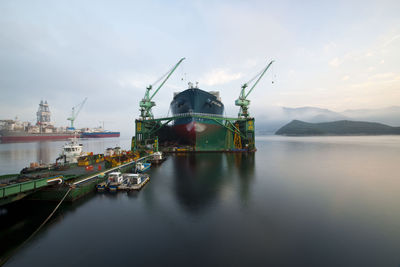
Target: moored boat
134	181
114	180
142	167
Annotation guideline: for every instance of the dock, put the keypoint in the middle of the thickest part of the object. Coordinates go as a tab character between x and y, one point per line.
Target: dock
54	187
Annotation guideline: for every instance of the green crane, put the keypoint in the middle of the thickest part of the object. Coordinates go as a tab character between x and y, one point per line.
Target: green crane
75	113
146	104
242	101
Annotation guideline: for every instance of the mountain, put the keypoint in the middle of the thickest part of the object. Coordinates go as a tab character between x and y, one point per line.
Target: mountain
343	127
312	114
269	120
389	115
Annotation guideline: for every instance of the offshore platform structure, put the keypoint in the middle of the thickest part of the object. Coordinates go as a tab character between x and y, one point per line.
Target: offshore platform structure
235	134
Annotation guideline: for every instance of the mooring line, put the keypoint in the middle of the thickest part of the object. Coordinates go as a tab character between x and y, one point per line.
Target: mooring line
3	261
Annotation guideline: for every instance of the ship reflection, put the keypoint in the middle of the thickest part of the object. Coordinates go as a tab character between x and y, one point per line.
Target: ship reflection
202	180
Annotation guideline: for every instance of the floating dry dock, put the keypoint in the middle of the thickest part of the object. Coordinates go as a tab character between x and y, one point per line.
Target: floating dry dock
197	123
233	135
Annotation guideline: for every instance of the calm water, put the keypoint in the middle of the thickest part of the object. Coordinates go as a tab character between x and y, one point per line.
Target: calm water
309	201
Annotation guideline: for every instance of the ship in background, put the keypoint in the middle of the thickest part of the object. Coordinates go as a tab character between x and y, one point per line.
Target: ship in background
43	130
196	101
98	133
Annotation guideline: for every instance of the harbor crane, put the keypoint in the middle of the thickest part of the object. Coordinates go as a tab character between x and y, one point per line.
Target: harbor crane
242	101
75	111
146	104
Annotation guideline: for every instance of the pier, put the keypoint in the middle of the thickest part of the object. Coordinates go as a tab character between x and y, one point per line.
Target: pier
49	188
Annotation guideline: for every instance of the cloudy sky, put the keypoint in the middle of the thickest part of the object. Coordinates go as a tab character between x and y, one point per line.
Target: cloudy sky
337	55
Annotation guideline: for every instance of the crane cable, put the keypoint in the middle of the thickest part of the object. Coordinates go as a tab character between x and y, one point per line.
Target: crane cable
162	77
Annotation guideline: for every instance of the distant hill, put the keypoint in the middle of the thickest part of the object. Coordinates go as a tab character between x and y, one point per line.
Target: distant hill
312	114
343	127
389	115
269	120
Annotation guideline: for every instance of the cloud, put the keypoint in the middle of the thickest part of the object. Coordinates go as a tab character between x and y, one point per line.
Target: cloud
219	76
345	78
335	62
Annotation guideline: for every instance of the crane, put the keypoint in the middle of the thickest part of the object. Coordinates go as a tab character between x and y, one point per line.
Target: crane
75	111
146	104
242	101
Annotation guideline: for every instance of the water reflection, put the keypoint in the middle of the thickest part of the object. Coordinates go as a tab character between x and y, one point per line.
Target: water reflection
202	178
244	164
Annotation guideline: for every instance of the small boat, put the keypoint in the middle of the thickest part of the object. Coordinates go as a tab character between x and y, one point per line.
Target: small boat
134	181
142	167
114	180
101	187
157	158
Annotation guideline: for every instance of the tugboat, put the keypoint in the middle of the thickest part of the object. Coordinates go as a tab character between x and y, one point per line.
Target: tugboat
71	151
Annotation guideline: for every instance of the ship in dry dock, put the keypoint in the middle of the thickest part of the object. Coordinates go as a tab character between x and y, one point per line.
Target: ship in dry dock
197	123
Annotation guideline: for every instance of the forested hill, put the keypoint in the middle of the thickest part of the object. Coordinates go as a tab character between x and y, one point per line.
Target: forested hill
343	127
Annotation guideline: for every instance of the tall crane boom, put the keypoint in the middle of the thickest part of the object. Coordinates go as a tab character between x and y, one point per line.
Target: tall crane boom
146	104
75	111
242	101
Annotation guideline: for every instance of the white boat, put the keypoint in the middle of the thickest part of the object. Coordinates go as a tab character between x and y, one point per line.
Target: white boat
71	151
142	167
134	181
114	180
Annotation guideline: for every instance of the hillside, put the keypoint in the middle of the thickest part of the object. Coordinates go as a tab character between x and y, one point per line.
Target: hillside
343	127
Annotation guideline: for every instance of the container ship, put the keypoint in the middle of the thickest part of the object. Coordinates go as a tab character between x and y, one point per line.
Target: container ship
191	129
43	130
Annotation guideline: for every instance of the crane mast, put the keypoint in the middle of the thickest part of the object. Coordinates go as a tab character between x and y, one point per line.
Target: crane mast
75	112
242	101
146	104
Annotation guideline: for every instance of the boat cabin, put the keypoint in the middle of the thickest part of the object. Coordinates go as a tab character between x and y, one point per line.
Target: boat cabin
115	177
134	178
72	151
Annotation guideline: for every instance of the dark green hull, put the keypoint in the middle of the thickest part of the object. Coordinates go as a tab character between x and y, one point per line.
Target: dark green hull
57	192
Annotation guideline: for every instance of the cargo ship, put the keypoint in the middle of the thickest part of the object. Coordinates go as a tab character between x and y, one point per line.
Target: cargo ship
195	101
43	130
99	133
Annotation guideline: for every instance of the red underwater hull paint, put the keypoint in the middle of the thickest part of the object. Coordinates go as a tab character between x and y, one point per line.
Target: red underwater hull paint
186	132
11	139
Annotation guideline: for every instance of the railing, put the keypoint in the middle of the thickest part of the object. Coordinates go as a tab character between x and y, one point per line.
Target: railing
17	188
95	176
195	114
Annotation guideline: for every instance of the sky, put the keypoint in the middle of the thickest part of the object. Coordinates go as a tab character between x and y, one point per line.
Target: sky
328	54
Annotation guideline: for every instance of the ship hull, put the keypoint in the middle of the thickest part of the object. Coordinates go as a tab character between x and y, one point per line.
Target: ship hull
194	131
34	137
100	135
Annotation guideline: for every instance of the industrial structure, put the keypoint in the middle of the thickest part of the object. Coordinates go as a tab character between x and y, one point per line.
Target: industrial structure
205	131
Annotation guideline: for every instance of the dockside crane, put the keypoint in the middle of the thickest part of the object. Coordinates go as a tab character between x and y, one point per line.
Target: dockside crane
75	111
242	101
146	104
